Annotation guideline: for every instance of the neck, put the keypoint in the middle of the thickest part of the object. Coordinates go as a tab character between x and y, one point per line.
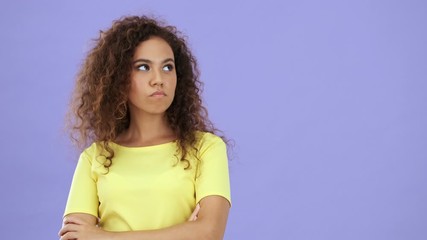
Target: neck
147	129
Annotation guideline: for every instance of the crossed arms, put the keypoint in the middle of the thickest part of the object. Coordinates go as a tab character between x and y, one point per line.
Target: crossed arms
206	223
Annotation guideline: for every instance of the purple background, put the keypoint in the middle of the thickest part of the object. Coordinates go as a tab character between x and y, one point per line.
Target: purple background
326	101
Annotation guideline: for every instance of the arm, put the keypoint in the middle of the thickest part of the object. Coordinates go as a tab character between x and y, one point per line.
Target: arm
210	224
83	217
72	219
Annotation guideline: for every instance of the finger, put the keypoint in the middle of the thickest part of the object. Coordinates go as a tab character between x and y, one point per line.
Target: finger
69	236
67	220
68	228
73	219
196	210
193	216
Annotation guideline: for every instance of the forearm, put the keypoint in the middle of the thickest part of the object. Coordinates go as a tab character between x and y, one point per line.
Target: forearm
197	230
210	225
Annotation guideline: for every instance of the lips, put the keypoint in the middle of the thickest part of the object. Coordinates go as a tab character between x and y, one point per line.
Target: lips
158	93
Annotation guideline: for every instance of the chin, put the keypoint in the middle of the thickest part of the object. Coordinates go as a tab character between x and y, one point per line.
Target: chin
158	112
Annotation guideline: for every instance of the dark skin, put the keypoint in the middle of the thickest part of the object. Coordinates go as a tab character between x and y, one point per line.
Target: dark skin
153	83
210	224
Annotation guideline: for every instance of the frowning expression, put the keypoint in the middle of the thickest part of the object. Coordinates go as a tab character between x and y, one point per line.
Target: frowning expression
153	77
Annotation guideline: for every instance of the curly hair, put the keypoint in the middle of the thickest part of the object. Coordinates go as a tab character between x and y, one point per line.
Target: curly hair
99	107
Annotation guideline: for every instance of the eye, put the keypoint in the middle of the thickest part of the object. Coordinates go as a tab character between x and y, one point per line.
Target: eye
168	68
143	67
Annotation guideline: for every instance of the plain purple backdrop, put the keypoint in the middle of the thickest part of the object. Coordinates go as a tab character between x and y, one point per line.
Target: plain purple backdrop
326	101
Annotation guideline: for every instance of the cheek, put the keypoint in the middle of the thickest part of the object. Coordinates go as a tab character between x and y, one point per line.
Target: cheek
173	83
136	91
137	86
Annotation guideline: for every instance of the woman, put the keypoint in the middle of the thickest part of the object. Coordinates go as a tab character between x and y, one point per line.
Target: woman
155	169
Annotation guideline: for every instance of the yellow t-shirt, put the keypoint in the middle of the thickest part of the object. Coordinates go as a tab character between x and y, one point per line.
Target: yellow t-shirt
145	188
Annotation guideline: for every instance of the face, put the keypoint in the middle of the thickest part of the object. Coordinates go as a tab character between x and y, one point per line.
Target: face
153	77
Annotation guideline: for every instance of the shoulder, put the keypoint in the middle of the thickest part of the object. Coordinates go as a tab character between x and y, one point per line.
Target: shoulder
94	152
94	149
207	140
203	138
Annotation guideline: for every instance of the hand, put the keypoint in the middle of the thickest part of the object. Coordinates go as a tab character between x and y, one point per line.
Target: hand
193	216
75	228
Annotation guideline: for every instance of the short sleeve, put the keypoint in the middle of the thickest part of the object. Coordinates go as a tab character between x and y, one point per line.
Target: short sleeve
83	197
213	176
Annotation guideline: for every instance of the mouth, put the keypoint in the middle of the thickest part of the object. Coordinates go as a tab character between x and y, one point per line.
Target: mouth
158	94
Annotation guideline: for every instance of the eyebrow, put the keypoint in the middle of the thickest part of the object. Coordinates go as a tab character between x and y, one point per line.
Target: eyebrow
149	61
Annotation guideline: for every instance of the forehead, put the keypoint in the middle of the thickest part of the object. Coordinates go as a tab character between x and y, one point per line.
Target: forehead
155	48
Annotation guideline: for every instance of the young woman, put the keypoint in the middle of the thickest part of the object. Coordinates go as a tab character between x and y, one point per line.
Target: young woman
154	169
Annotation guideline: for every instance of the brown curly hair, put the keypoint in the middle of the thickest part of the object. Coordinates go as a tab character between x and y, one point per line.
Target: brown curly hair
99	107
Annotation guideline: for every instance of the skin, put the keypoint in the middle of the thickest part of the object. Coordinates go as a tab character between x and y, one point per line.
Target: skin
153	71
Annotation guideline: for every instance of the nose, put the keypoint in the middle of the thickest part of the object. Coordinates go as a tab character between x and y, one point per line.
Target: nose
156	78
